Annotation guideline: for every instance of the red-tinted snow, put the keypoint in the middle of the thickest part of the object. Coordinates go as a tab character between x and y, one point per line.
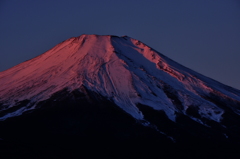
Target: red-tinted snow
120	68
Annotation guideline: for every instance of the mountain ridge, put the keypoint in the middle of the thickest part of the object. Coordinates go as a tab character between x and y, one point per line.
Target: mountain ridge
90	59
96	89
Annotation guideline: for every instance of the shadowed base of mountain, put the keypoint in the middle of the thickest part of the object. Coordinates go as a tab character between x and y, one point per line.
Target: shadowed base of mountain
85	124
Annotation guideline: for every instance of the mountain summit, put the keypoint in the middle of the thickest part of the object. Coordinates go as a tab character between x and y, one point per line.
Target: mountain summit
123	70
125	76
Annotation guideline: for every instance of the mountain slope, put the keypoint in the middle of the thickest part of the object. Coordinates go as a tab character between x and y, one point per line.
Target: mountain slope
121	69
107	88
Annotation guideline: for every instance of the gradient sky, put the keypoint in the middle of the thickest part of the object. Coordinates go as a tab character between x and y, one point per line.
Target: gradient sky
203	35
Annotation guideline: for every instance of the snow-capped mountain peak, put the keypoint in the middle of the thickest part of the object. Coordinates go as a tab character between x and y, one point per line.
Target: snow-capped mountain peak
121	69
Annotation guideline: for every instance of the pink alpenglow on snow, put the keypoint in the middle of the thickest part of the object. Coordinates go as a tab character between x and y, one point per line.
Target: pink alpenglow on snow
121	69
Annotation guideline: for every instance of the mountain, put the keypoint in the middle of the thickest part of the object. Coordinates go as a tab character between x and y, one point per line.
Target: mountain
92	89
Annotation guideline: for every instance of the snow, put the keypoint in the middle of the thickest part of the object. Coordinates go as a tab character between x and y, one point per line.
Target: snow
122	69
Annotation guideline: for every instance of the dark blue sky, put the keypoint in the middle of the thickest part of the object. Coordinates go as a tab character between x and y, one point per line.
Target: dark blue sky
203	35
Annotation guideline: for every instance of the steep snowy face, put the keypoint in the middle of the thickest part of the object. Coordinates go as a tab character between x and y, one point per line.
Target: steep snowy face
121	69
166	85
64	65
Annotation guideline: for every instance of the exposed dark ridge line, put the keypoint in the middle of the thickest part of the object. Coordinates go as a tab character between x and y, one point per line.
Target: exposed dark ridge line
172	95
17	106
